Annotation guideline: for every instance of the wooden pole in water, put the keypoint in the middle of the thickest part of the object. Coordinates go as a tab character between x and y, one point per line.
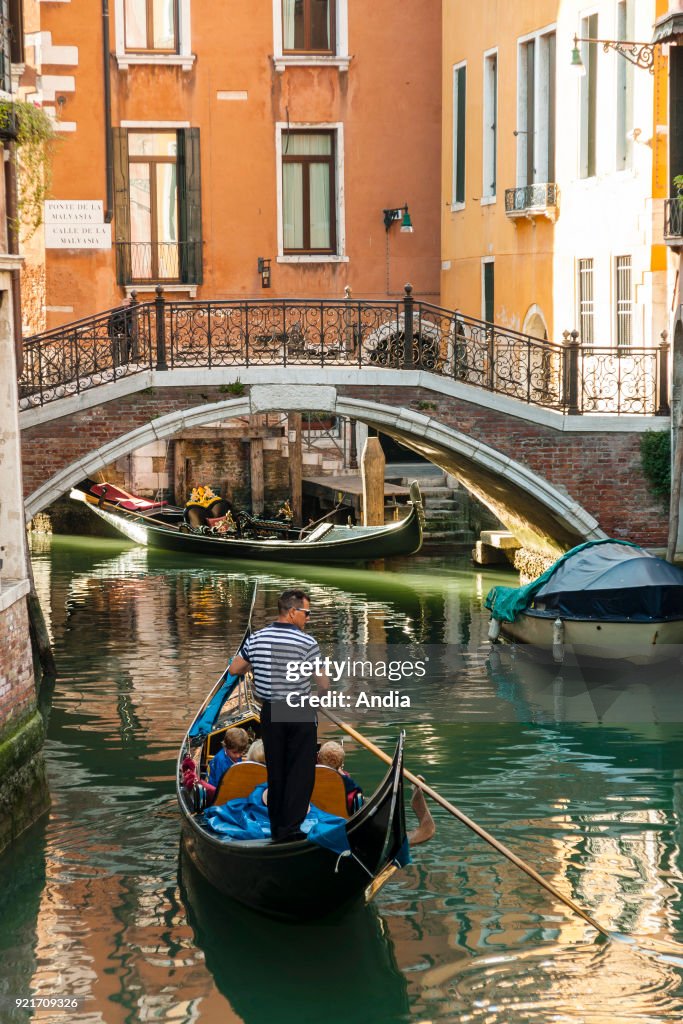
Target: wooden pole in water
295	465
372	474
179	478
256	468
676	473
477	829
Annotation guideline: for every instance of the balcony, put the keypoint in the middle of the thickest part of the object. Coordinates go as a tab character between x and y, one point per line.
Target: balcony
152	263
538	200
673	223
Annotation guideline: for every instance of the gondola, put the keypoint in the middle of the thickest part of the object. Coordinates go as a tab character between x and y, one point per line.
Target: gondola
160	525
296	880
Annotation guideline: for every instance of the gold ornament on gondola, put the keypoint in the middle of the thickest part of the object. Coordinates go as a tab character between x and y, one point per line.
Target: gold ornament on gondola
202	496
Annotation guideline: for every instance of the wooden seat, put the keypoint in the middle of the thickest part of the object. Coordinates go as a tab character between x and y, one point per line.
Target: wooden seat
240	780
329	793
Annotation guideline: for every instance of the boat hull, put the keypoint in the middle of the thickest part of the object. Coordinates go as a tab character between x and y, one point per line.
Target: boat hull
639	643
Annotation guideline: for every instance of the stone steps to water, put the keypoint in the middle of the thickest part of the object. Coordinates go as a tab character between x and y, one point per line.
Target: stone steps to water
446	507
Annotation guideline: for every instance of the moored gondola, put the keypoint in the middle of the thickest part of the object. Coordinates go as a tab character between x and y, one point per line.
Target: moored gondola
297	880
164	526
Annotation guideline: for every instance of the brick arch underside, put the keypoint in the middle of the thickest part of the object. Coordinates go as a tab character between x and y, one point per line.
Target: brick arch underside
543	515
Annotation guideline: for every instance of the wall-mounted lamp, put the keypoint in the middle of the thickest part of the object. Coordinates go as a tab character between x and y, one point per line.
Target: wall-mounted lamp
264	271
640	54
398	213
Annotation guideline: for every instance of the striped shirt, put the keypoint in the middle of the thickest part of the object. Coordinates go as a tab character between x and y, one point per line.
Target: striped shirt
276	653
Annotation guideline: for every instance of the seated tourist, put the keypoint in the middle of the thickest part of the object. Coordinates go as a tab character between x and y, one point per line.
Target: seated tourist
201	793
331	754
256	752
235	743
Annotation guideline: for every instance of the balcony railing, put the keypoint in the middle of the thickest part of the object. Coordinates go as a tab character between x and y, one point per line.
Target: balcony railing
539	200
394	334
159	262
673	221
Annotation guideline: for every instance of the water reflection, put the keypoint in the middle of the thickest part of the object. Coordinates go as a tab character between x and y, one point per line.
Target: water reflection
339	970
545	760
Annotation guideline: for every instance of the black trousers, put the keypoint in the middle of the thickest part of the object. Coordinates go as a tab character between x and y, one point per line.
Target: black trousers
290	748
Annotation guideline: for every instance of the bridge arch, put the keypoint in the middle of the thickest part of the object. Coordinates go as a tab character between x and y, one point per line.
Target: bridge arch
542	515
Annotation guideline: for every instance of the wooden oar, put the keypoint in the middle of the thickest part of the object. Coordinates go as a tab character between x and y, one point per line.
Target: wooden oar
477	829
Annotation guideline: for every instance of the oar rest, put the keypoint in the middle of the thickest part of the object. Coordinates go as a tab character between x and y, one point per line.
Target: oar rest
329	793
240	780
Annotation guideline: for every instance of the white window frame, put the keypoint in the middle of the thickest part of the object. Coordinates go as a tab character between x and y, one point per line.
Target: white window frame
281	127
623	315
489	130
455	204
340	59
125	59
541	107
584	98
623	150
585	305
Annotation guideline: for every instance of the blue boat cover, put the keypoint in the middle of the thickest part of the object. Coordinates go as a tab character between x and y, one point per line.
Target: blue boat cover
204	723
247	818
610	580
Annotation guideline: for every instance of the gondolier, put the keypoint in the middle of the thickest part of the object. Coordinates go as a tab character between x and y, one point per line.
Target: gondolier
276	655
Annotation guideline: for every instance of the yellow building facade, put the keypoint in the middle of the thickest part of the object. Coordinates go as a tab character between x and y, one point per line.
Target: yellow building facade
554	177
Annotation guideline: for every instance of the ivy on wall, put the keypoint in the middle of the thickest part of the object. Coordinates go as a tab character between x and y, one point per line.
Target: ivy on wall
34	135
655	455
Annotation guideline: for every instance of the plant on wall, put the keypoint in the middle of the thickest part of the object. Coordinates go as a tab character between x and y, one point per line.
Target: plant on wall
34	135
655	455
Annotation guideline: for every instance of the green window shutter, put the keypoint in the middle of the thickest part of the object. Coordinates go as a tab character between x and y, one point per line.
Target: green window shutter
460	141
121	205
190	201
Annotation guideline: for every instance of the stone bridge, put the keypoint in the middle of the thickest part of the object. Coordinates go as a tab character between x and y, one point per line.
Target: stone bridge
553	478
547	435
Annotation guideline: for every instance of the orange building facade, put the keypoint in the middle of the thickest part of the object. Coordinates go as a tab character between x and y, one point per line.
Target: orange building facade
240	144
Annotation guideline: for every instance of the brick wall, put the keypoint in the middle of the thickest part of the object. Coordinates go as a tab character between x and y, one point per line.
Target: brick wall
17	685
601	471
24	793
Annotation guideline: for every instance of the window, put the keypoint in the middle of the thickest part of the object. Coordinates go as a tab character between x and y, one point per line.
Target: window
157	205
16	30
487	297
586	310
459	90
589	97
490	124
536	110
5	47
151	25
624	301
624	151
308	26
308	192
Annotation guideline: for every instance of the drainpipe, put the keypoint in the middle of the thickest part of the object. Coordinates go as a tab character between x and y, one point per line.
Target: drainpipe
12	215
108	154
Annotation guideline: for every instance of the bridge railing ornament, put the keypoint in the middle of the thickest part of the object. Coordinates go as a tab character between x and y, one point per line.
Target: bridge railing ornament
401	334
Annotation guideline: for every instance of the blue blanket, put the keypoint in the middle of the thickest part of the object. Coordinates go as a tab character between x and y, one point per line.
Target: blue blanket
248	819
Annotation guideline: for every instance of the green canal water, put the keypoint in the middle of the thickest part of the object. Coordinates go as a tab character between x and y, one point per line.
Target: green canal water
582	776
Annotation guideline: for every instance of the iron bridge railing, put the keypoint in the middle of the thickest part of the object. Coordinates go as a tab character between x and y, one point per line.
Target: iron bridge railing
673	220
404	334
